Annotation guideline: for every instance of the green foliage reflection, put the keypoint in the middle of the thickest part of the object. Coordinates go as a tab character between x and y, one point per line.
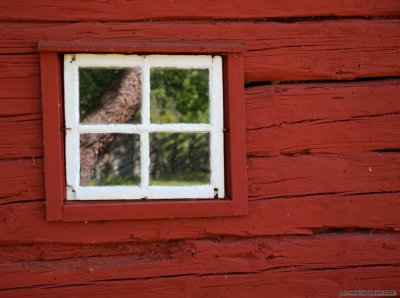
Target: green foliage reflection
183	157
179	95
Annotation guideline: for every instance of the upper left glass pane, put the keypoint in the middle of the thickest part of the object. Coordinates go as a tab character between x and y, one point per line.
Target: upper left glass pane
110	95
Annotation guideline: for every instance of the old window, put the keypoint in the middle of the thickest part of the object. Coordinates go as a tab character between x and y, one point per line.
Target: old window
143	126
143	130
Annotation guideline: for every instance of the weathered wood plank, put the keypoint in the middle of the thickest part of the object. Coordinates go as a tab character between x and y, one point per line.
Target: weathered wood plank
21	136
25	222
276	51
21	180
310	283
20	128
19	76
20	107
321	136
323	118
285	104
195	257
76	10
286	176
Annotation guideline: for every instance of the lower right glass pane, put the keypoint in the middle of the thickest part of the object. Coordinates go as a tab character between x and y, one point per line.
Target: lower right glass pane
179	159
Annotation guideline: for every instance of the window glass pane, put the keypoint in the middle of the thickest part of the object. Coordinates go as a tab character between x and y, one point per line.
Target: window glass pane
109	159
179	158
109	95
179	95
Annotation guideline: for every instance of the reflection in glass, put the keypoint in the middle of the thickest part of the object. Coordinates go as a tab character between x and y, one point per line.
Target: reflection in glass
109	95
179	159
109	159
179	95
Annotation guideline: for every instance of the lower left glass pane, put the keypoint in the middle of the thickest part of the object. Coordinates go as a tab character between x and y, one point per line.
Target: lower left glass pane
109	159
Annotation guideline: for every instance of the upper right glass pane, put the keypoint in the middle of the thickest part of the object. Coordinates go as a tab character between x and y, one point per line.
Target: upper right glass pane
179	95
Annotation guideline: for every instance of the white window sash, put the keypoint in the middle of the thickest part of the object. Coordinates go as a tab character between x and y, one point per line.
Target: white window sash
73	62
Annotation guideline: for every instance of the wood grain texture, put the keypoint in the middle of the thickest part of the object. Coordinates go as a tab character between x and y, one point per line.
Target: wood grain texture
323	137
183	9
323	118
200	254
310	283
20	106
285	176
25	222
280	105
235	135
76	265
21	136
334	50
53	135
19	76
20	128
21	180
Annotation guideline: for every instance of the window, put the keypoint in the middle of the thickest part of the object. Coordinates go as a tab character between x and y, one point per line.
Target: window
150	152
143	126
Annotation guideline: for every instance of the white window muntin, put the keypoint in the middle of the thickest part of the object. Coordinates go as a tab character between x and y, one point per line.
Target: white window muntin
73	62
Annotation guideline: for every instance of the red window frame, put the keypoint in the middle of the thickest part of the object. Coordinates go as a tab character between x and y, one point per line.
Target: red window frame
57	208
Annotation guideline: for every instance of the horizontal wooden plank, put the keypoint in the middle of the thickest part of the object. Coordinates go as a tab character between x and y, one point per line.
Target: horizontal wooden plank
286	176
320	136
75	10
323	118
286	104
20	107
292	250
18	67
20	115
284	282
20	128
153	47
19	76
196	258
84	211
334	50
21	136
25	222
21	180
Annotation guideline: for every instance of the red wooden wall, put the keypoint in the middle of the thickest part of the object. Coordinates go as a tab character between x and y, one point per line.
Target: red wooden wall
323	143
